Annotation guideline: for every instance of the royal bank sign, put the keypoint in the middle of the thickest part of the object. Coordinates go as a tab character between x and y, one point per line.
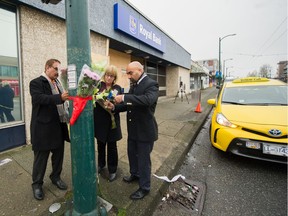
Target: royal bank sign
138	28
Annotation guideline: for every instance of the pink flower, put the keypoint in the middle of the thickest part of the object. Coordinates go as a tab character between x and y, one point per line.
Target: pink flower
91	74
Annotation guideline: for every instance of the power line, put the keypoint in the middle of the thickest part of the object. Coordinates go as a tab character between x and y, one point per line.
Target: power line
273	34
255	55
285	31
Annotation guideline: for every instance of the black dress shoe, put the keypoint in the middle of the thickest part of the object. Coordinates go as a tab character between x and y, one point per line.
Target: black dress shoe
131	178
60	184
112	177
38	193
139	194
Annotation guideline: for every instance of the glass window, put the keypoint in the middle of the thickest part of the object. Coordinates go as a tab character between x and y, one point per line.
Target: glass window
256	95
10	92
154	77
151	68
162	80
161	70
158	73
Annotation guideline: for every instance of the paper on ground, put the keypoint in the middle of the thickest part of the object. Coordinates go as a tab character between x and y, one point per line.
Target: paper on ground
7	160
165	178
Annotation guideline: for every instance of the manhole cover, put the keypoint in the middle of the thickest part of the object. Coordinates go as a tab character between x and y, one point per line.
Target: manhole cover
183	198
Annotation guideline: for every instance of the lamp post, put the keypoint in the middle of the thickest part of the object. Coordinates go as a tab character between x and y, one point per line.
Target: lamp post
225	74
220	39
227	70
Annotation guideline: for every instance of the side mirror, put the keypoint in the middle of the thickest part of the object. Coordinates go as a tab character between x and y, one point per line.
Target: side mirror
51	1
211	101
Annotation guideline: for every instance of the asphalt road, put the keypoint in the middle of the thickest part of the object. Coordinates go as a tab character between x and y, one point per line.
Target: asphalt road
234	185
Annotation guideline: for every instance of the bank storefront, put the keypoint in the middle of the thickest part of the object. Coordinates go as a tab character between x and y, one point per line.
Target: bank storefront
35	32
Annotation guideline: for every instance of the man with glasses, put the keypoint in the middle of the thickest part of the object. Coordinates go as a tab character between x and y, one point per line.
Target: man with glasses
48	126
140	104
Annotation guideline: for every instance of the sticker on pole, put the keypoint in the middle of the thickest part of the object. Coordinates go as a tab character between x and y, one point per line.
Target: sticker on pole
72	77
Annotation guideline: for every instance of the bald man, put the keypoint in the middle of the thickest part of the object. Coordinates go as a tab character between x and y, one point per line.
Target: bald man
140	104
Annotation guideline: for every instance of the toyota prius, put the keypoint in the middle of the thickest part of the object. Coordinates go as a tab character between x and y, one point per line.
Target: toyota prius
250	119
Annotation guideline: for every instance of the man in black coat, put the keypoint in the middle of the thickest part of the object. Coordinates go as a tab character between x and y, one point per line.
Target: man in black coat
140	104
6	102
48	126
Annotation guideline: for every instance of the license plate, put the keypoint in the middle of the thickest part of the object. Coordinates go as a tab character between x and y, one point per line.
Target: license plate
280	150
253	145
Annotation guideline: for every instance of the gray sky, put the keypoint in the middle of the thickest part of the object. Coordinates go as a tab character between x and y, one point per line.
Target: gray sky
260	27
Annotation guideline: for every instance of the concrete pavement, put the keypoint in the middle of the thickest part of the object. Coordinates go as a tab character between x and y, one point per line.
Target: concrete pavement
178	126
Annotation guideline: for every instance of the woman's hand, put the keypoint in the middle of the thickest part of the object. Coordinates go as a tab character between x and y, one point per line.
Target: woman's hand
109	105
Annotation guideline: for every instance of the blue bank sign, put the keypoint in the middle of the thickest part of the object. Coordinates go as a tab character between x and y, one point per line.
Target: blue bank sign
137	28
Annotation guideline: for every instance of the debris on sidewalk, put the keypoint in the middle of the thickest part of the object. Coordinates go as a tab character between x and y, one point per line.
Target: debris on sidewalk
4	161
175	178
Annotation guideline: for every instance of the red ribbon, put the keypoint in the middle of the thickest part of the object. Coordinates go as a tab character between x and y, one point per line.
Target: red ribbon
79	104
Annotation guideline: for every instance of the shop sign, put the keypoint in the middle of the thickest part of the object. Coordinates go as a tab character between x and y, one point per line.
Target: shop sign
138	28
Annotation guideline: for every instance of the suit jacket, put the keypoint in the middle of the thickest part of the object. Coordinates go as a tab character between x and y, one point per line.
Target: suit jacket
47	132
140	104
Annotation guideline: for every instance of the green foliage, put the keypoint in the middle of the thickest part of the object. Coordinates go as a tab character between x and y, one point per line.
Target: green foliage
121	212
86	86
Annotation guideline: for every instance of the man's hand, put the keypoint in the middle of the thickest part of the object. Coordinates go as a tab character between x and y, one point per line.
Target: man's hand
64	96
118	99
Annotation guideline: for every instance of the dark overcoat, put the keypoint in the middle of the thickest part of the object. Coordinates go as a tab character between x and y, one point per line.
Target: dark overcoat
47	132
103	123
140	104
7	95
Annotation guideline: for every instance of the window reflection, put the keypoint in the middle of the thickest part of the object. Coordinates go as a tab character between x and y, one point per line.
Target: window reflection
10	95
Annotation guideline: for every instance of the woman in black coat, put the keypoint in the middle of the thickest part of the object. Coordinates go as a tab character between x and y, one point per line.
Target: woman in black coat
107	124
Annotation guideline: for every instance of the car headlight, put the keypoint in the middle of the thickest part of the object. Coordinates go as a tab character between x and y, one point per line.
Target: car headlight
222	120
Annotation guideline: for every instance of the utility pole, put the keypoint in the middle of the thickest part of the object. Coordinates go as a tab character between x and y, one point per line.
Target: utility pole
84	176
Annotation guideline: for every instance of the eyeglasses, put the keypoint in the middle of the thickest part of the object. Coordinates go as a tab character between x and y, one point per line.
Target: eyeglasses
108	75
55	68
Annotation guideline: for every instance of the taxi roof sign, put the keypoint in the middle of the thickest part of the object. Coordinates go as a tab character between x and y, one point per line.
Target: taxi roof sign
251	79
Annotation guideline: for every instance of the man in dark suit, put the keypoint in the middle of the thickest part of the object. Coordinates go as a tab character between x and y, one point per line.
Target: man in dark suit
140	104
48	126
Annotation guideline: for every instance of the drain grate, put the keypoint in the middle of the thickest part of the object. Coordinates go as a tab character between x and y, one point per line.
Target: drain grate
184	198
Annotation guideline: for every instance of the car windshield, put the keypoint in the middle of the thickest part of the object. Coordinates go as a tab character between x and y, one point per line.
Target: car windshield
256	95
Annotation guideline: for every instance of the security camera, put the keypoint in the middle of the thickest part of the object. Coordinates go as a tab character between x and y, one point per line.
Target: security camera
51	1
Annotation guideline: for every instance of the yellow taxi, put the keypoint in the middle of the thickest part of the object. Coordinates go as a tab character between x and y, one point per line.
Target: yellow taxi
250	119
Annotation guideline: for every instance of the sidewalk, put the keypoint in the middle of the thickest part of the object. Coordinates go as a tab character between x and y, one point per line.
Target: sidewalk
178	126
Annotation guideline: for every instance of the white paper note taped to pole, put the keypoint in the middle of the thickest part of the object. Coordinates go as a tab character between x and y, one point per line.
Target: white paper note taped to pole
175	178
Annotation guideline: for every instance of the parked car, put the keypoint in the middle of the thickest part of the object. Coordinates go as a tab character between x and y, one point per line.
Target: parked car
250	119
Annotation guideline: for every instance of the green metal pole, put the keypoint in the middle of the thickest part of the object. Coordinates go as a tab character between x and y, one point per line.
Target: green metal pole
84	176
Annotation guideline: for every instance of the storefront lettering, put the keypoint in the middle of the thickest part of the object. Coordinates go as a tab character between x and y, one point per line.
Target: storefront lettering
149	35
156	39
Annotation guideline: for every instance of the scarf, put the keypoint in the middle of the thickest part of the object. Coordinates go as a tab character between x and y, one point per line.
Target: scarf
56	89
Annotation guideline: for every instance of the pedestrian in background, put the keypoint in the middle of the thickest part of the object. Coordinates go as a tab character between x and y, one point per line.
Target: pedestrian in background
105	133
6	102
48	126
140	104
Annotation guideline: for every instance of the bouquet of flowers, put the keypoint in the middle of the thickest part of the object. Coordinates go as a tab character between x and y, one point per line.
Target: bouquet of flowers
101	97
87	82
64	78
